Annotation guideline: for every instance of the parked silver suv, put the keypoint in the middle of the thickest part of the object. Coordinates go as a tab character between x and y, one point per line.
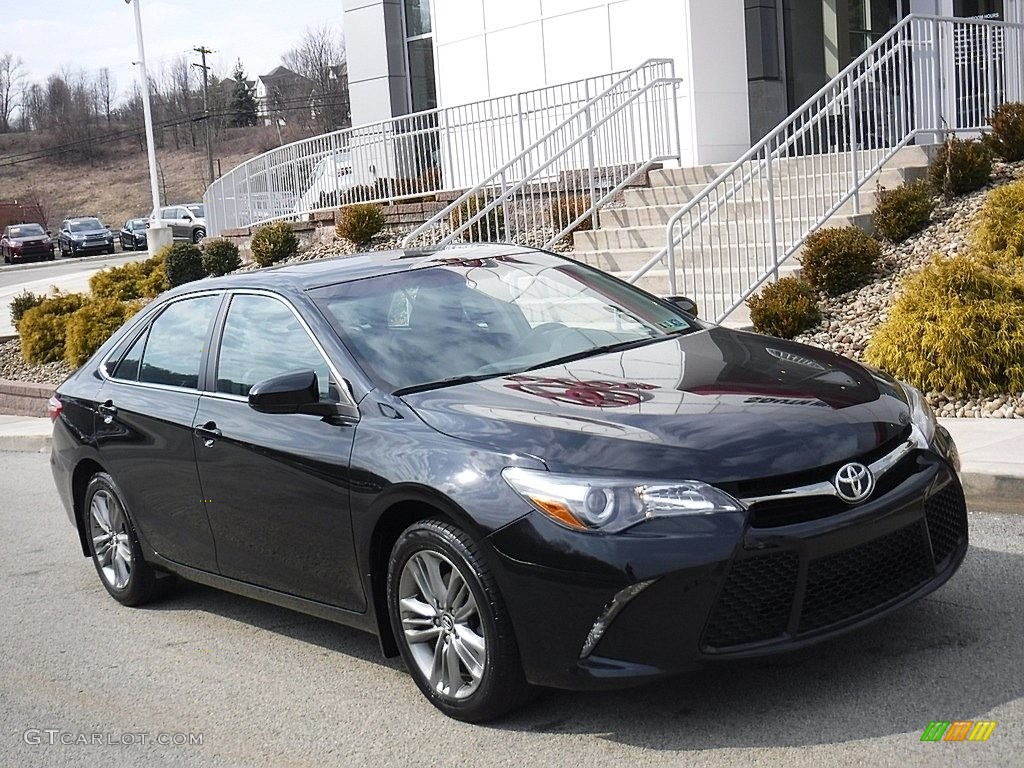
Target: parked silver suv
187	222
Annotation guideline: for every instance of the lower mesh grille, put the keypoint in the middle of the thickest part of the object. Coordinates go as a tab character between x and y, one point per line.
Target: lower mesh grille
849	583
755	602
946	514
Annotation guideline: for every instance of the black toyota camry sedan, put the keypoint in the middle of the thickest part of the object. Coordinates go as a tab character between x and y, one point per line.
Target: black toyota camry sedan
514	469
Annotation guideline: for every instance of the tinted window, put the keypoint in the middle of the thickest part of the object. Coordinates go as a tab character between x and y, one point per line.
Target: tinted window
175	347
262	338
128	368
85	225
27	230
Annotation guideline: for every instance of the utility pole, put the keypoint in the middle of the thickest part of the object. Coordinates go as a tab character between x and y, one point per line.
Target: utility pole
202	50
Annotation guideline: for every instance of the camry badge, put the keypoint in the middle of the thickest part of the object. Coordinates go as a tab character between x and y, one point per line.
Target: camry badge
854	482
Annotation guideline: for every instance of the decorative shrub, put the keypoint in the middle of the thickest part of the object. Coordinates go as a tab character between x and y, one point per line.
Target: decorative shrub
93	324
904	211
961	166
360	222
220	257
42	327
784	308
1008	131
1000	225
274	242
838	259
183	263
489	228
135	280
957	326
565	210
22	302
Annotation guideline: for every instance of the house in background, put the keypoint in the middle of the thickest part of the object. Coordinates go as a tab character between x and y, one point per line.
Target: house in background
283	95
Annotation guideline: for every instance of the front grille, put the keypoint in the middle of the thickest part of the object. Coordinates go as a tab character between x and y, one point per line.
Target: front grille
756	601
857	580
946	514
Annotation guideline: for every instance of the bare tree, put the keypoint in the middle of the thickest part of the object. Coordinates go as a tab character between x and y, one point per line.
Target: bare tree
106	87
12	77
320	57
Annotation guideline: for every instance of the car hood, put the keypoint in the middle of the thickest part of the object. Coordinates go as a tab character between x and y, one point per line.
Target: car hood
715	405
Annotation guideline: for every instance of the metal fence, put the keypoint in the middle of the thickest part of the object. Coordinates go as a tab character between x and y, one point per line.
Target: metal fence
408	157
927	78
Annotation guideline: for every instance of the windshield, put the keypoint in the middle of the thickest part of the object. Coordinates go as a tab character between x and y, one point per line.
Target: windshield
84	225
137	224
197	210
478	318
27	230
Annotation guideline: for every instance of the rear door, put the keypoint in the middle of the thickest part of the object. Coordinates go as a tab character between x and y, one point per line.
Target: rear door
144	436
276	485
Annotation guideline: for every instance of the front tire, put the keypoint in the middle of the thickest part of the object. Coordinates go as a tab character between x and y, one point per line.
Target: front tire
451	625
198	236
115	547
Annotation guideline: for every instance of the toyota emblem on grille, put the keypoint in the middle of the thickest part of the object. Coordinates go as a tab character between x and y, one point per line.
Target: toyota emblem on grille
854	482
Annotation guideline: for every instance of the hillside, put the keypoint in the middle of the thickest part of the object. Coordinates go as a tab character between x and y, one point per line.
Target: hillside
117	188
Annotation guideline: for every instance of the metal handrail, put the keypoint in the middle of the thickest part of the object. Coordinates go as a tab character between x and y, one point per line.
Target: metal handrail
955	88
523	158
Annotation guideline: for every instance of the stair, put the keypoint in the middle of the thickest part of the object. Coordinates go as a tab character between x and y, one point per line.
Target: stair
628	237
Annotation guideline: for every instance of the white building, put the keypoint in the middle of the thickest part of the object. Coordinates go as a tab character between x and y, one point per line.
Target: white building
745	64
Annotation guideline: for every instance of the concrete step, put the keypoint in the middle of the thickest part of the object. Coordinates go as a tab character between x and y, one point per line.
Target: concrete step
659	215
675	198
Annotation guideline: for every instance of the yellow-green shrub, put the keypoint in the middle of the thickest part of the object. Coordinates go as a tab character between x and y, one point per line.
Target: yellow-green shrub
359	223
22	303
838	259
961	166
42	327
1000	226
92	324
958	326
274	242
1008	131
903	211
138	279
785	308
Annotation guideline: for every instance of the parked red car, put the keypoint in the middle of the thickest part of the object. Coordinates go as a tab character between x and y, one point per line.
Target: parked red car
25	241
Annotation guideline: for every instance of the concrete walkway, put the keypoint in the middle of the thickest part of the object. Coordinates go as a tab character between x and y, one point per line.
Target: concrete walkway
991	454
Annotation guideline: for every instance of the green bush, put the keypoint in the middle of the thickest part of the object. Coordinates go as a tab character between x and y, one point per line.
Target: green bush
961	166
1000	226
838	259
1008	131
360	222
904	211
274	242
22	302
220	257
490	228
135	280
183	263
566	209
42	327
785	308
92	324
957	326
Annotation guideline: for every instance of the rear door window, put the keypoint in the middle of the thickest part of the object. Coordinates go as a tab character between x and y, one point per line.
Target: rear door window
174	349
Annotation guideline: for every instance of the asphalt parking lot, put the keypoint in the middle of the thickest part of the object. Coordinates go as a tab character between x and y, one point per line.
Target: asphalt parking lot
260	685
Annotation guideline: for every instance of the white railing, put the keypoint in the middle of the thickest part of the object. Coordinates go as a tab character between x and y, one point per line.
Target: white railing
561	181
404	158
926	78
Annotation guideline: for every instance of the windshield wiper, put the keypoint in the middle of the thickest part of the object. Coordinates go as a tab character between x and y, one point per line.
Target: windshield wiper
617	347
441	383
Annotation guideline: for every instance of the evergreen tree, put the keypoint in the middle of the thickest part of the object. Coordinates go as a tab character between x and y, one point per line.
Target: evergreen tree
243	100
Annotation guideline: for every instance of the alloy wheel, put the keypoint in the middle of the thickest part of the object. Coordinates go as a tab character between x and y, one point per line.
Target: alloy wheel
441	624
109	529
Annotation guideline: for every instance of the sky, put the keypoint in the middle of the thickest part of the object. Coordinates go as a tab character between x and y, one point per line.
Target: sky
91	34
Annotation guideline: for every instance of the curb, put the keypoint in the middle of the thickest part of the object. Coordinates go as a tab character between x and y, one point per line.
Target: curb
5	268
985	493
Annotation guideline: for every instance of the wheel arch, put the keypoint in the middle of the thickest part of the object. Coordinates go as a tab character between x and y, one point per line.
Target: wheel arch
83	473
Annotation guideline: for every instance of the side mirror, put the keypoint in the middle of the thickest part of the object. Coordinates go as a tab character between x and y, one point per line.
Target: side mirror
298	392
685	303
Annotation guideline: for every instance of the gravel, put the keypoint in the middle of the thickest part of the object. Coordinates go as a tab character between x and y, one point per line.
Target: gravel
13	366
849	320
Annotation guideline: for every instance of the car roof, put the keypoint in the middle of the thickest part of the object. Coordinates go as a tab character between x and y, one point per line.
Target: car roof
304	276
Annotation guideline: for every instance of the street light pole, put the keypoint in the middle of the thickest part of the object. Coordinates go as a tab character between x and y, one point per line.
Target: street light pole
156	237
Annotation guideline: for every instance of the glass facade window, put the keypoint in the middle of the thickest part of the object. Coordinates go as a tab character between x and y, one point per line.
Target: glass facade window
419	51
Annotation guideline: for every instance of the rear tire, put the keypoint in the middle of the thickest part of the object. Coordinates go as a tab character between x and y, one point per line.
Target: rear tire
114	546
457	641
198	236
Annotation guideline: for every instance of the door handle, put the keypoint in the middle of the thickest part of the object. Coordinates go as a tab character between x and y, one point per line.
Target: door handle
208	433
108	411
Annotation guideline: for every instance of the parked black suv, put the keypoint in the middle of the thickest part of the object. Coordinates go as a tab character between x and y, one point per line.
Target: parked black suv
81	236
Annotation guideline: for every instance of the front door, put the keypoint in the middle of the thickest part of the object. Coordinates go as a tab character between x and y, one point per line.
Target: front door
276	485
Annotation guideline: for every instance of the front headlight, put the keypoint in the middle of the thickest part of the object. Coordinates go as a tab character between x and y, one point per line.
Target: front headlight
614	504
921	414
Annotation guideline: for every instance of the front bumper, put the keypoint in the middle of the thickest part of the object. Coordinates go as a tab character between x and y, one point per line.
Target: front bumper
721	587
